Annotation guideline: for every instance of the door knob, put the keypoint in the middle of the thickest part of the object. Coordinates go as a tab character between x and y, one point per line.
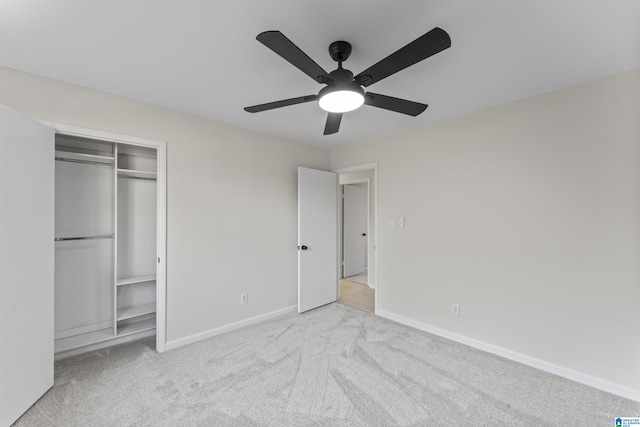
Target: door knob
303	247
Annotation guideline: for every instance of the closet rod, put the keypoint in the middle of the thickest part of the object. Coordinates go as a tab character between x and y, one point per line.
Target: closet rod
62	239
62	159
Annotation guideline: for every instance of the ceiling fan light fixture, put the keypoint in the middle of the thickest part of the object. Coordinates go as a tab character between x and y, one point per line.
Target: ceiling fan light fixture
345	92
341	100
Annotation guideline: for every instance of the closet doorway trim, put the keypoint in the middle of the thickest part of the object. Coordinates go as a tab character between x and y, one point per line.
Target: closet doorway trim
161	232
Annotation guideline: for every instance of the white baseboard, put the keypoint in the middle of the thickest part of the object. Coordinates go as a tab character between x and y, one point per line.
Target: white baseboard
576	376
171	345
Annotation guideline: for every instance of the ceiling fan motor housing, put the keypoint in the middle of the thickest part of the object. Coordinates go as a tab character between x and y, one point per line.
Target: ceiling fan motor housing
342	80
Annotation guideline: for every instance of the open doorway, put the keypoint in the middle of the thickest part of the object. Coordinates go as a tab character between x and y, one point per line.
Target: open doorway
355	230
358	238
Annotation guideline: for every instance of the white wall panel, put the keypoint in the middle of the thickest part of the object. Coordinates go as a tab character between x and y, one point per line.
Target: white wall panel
84	283
136	227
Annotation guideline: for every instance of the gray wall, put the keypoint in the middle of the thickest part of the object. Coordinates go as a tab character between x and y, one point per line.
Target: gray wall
528	216
232	200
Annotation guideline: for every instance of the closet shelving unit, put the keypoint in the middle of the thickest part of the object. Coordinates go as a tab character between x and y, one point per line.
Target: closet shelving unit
128	266
133	316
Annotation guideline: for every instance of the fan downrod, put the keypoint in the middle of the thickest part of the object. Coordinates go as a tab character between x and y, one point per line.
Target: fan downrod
340	50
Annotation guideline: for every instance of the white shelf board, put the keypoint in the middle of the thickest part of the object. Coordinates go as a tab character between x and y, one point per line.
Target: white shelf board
70	155
136	279
135	327
136	310
136	173
82	340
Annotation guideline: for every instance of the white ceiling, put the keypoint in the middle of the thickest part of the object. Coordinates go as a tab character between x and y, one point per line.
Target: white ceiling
201	57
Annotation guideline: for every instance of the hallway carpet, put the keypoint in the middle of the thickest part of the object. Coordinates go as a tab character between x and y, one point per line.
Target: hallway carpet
333	366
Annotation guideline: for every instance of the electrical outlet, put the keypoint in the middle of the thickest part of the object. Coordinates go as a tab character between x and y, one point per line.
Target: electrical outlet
244	298
455	309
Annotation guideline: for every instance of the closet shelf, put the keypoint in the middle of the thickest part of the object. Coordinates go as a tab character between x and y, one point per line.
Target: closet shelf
136	173
83	158
82	340
135	327
136	310
136	279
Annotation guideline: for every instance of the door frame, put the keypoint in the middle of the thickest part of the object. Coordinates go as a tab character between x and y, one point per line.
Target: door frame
341	221
161	218
371	256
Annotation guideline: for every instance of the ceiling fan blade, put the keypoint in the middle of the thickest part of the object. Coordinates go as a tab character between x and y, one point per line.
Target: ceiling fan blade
277	42
278	104
333	123
421	48
394	104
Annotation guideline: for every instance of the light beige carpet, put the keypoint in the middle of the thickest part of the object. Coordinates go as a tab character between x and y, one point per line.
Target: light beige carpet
333	366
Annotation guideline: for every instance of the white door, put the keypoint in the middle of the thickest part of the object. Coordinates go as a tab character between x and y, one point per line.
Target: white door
26	262
354	230
317	238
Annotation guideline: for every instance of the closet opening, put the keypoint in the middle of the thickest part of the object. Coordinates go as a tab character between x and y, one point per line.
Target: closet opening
109	240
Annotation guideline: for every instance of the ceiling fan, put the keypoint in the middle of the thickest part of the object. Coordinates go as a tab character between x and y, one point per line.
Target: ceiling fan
343	92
